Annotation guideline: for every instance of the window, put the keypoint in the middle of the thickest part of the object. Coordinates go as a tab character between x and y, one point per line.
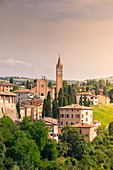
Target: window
86	119
91	115
62	110
94	130
77	110
67	116
55	135
72	110
71	123
62	115
61	123
67	110
2	110
18	94
86	113
91	97
80	131
72	116
82	116
42	85
51	134
66	123
77	116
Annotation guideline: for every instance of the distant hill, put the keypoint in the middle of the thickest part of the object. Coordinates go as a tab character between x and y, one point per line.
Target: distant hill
16	80
103	113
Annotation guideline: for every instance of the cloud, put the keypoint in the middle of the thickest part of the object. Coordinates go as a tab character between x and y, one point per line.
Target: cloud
12	62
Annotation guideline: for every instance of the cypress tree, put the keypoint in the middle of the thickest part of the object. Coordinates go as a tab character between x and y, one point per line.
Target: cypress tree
85	102
55	109
69	100
88	103
75	99
44	106
60	97
80	101
18	109
64	101
48	110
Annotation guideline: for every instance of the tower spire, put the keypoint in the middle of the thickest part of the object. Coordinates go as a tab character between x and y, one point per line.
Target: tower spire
59	60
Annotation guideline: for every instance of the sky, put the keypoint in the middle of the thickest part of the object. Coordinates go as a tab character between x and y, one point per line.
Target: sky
34	32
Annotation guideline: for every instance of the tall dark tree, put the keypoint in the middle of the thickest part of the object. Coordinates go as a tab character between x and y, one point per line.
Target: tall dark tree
50	84
27	84
80	101
65	89
69	100
64	101
105	92
75	99
88	103
101	83
18	109
11	80
44	106
60	97
48	109
97	89
85	101
55	109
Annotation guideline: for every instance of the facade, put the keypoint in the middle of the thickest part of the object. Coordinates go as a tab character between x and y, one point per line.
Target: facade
59	76
40	87
74	114
93	98
28	111
8	105
23	95
6	86
89	131
53	125
102	99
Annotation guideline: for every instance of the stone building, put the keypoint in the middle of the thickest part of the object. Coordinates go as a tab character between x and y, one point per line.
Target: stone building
23	95
6	86
8	105
80	117
93	98
59	76
53	125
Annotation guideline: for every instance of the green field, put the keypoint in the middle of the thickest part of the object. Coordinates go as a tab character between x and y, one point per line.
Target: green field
103	113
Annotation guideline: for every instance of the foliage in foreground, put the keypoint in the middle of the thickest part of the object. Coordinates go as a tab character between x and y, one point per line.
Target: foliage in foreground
27	146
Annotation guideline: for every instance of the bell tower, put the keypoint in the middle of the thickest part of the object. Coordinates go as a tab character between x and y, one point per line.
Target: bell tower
59	76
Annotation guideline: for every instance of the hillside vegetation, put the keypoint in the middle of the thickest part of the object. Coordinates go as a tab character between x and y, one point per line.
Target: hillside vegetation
103	113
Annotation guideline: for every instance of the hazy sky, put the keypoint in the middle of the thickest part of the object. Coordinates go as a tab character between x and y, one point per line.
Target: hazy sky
34	32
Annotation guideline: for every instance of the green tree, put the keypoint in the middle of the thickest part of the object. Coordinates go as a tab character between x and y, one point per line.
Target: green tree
97	89
55	109
27	84
48	109
50	150
85	101
69	100
11	80
105	92
18	109
50	84
101	83
15	88
111	128
80	101
88	103
75	99
64	101
44	106
60	97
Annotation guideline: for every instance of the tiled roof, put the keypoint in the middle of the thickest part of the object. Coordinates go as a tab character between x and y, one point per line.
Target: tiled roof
82	125
85	93
24	91
96	121
76	106
7	84
7	93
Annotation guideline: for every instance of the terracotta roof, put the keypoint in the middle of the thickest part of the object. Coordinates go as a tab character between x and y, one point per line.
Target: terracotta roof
76	107
7	93
24	91
82	125
7	84
85	93
96	121
49	120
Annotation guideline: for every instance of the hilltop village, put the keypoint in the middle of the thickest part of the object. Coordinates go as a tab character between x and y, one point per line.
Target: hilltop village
58	118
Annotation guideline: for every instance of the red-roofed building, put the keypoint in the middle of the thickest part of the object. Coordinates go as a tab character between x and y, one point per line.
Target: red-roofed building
6	86
23	95
89	131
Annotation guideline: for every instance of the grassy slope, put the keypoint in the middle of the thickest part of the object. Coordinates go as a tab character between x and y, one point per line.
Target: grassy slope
103	113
